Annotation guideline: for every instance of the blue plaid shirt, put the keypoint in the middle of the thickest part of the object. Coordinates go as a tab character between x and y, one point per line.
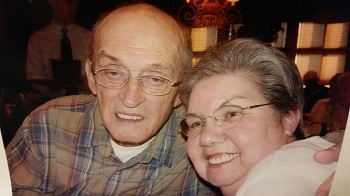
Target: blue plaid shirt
63	148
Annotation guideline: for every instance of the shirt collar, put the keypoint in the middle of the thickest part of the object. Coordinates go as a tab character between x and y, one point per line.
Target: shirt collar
162	147
60	27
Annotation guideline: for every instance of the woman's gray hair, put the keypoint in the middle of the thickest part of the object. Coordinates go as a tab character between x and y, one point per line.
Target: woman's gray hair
276	76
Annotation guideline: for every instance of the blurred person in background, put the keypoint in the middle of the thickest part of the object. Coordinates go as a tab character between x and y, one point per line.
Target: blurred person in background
316	121
339	112
44	59
314	90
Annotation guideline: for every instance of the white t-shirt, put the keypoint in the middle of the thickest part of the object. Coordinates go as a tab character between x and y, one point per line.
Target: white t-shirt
290	170
126	153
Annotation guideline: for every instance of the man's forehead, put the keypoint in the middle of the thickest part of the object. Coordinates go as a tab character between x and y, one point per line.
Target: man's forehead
104	59
141	16
134	30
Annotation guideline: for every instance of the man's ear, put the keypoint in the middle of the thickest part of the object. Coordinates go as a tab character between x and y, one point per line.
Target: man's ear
90	76
177	101
291	121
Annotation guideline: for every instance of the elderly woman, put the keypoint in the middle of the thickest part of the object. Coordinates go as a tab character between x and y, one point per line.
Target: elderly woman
244	105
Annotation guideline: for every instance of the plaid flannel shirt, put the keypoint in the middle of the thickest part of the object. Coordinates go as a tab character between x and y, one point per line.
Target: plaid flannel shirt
63	148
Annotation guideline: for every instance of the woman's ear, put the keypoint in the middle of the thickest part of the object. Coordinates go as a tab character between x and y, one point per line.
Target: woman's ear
90	76
291	121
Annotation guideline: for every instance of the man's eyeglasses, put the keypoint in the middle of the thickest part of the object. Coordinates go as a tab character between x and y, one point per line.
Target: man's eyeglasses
226	117
150	84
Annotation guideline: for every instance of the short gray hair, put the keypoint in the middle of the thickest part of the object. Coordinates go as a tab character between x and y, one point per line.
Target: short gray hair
276	76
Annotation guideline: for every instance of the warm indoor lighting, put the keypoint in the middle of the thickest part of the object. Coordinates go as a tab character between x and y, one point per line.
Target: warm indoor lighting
233	2
205	13
205	18
203	37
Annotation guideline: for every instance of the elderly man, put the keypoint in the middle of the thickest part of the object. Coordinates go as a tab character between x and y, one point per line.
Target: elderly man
123	139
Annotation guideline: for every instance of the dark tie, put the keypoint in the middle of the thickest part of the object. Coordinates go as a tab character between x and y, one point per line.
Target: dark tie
66	50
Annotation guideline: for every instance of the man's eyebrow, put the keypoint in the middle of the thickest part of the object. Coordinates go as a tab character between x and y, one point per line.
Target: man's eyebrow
161	66
103	53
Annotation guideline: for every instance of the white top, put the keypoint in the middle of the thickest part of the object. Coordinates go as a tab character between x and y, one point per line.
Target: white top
341	182
126	153
5	184
290	170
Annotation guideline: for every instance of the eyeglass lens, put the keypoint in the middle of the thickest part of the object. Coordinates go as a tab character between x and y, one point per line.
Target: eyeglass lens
225	117
116	79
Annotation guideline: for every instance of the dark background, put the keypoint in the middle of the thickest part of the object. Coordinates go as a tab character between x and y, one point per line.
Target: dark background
20	18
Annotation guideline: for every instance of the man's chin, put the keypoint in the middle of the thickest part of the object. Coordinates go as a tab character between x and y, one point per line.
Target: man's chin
131	140
130	143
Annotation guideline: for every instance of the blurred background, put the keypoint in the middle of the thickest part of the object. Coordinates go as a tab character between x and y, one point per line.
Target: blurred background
259	18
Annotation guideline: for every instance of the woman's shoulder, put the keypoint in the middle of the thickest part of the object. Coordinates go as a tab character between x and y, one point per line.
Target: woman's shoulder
291	170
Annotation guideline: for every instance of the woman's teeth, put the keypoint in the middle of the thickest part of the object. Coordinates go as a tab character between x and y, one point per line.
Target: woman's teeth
223	158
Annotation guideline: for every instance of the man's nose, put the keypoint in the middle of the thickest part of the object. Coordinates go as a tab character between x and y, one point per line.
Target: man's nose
132	94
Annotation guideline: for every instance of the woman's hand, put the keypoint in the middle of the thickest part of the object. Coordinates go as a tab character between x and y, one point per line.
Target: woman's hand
327	156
